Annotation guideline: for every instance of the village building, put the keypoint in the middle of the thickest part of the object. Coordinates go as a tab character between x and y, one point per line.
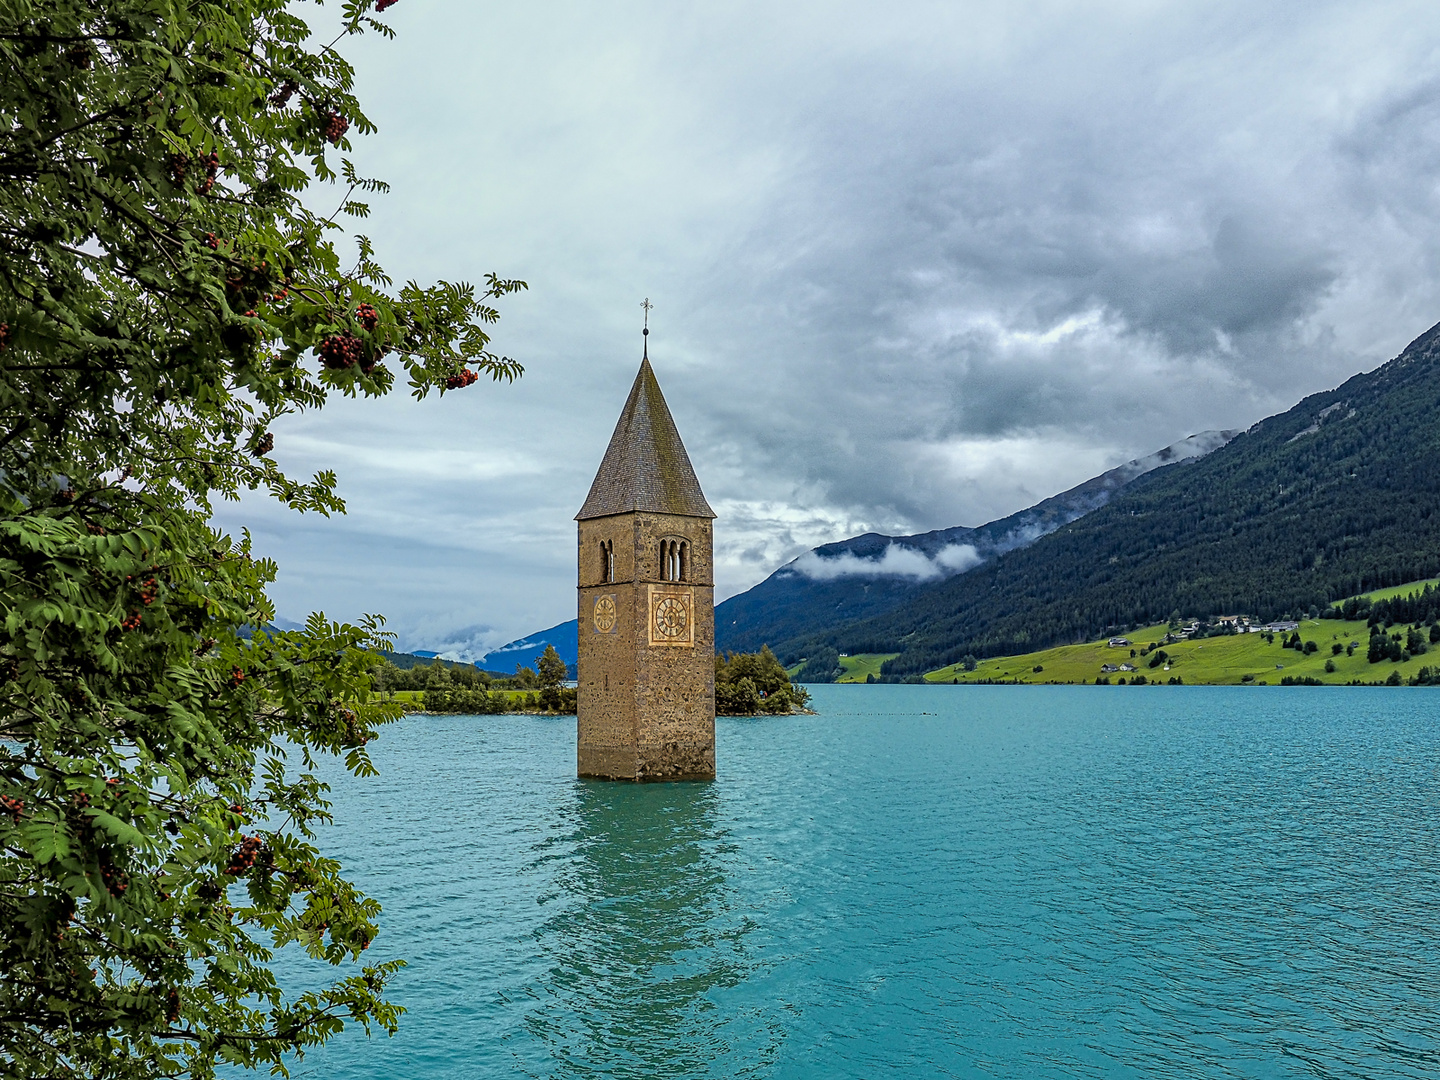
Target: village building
646	687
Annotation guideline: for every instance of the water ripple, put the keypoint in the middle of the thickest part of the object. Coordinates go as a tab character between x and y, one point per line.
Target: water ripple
957	882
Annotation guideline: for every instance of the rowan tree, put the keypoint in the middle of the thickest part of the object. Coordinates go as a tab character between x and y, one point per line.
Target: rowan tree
165	297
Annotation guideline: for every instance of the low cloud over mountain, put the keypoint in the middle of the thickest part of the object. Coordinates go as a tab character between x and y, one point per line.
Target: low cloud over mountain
896	560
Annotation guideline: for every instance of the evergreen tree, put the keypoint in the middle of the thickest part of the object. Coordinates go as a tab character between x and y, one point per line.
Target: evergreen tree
553	695
552	668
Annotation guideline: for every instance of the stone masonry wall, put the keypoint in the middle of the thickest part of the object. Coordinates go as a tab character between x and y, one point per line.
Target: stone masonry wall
646	707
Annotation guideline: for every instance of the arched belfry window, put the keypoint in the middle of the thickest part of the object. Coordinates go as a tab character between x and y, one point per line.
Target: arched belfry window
674	560
607	561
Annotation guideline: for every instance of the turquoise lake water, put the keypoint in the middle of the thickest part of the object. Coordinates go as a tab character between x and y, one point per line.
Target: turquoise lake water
919	881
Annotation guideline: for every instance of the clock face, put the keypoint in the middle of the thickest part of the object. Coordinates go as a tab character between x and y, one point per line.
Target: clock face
605	614
672	617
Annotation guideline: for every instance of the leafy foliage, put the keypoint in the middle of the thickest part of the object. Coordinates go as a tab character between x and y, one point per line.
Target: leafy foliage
423	674
166	294
554	695
751	683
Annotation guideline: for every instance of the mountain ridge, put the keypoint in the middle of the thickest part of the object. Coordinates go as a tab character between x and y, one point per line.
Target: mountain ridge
832	581
1339	494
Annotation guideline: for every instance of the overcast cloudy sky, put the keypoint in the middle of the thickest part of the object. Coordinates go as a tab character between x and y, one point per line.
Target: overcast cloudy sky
914	265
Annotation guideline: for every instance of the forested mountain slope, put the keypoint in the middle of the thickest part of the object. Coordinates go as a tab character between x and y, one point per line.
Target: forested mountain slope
871	574
1338	495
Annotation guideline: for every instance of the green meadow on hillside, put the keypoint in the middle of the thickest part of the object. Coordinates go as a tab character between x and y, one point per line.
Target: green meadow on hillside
1236	659
862	664
1402	590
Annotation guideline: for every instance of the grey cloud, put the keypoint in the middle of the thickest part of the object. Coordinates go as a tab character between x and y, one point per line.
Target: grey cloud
897	560
913	267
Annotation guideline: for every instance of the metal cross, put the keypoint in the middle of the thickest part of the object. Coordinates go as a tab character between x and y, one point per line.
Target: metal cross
647	306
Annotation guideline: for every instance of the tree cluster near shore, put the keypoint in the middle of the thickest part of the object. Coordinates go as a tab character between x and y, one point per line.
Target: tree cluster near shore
167	296
469	691
748	684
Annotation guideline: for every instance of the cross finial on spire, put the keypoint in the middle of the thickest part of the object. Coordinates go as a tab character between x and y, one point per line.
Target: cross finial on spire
645	333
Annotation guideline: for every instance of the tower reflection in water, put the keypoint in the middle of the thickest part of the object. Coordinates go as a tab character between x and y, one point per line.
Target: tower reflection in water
645	938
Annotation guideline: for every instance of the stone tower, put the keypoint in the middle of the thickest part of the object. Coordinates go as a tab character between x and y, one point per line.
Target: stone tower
647	604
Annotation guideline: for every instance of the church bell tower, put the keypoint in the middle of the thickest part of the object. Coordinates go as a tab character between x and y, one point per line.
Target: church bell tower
647	604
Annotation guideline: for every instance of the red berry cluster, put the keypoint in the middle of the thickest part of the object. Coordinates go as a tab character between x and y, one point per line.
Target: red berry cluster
342	350
13	807
335	127
117	881
381	5
243	858
82	55
236	676
172	1006
212	241
465	378
368	316
96	530
4	334
131	621
283	92
211	164
179	166
149	588
264	446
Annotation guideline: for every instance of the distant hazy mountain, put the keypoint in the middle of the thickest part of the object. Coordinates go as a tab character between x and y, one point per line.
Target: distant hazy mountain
871	574
1338	495
526	651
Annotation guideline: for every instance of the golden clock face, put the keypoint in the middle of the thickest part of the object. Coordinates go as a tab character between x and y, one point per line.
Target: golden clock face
672	617
605	614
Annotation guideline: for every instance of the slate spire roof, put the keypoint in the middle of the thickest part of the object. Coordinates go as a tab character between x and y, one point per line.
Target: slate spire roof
645	467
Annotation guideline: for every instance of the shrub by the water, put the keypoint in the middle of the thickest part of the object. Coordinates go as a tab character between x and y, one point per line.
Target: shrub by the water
751	683
474	693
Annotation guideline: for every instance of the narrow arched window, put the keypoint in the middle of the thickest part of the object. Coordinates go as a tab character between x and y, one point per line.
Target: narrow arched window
682	564
607	561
